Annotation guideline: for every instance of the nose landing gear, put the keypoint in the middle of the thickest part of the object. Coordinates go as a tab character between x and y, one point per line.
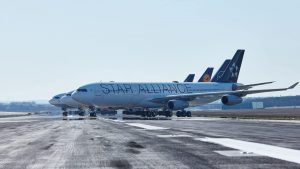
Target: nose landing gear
92	112
65	113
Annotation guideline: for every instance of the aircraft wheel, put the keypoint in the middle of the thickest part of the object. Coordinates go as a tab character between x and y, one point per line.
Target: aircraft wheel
189	114
183	114
169	113
81	113
154	114
147	114
93	114
151	114
178	113
65	113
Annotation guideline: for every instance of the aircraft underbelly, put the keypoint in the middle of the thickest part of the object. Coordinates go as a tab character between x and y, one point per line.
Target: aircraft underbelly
202	101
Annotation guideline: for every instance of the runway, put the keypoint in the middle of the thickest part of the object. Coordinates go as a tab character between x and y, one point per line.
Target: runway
51	142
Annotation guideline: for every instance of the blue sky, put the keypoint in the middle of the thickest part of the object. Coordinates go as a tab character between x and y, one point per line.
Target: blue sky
48	47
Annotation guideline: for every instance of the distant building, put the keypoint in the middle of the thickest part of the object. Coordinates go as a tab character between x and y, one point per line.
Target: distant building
27	107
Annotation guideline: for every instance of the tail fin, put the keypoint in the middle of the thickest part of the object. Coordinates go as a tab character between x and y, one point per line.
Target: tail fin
206	75
190	78
232	71
221	71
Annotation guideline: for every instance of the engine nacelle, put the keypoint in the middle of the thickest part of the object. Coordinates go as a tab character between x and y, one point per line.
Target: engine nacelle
177	104
231	100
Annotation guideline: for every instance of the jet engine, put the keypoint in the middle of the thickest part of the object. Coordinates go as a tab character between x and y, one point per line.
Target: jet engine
231	100
177	104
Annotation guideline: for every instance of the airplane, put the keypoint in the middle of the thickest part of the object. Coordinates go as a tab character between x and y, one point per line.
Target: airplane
68	100
168	96
55	101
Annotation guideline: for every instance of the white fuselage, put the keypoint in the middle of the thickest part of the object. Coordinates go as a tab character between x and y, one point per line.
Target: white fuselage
132	95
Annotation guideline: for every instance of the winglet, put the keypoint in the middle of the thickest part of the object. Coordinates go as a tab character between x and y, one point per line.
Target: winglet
293	86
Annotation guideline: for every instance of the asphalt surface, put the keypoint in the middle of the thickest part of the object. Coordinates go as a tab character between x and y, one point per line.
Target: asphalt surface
53	142
278	113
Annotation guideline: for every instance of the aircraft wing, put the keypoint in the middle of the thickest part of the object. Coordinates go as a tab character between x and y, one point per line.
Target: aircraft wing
240	93
249	86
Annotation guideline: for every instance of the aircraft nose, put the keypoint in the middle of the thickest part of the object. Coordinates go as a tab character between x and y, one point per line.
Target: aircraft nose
52	101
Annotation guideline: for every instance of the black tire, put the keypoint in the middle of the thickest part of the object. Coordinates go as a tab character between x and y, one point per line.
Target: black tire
169	113
189	114
178	113
65	113
148	114
93	114
153	113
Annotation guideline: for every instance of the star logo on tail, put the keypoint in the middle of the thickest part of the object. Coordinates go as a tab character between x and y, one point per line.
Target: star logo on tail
234	70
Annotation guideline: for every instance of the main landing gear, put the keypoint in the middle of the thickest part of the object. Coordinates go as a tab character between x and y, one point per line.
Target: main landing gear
92	112
81	113
183	113
65	113
168	113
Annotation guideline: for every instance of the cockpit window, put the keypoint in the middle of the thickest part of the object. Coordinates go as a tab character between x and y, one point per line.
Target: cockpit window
69	94
81	90
56	97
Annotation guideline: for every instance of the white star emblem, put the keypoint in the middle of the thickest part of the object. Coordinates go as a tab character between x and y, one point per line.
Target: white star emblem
234	70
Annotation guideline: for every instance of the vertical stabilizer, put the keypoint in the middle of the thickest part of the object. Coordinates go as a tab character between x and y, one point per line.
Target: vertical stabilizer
206	75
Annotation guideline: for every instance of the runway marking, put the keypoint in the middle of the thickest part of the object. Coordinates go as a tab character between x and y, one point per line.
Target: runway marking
196	119
147	127
281	153
119	121
237	153
17	121
273	121
173	136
